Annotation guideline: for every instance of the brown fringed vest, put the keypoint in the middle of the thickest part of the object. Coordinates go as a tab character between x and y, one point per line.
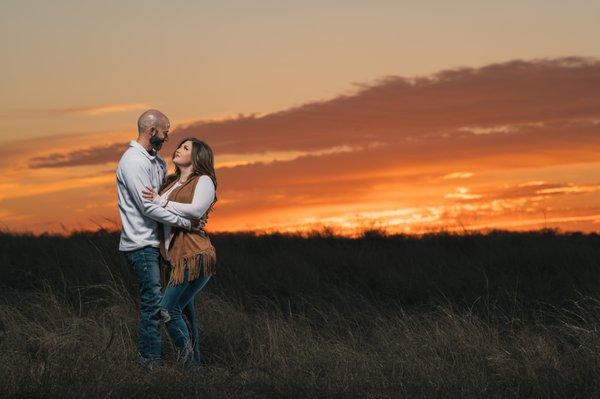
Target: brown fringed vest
187	247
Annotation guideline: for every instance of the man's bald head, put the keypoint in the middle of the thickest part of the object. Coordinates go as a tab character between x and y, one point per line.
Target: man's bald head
153	128
151	118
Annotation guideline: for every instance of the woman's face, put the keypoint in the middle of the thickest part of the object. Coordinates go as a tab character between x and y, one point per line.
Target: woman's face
183	154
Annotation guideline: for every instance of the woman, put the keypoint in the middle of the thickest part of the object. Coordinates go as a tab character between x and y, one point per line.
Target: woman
189	192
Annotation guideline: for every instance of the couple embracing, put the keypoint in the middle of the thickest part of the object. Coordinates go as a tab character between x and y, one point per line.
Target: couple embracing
163	218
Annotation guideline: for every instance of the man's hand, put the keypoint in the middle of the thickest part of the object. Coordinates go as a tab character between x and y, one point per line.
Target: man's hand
149	193
198	225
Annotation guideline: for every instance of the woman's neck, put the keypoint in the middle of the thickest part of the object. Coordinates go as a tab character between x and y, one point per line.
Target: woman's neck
184	173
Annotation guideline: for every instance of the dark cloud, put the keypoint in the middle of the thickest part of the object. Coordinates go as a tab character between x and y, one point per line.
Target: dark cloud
397	108
558	143
545	103
541	188
87	156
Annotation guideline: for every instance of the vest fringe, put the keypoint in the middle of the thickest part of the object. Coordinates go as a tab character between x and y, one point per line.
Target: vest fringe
200	264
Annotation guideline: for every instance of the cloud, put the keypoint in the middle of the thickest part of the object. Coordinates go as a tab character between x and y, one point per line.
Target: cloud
462	193
390	146
490	100
541	189
90	110
499	104
570	189
457	175
18	154
87	156
232	160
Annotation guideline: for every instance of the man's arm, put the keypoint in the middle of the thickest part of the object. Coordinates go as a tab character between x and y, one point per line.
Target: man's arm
135	179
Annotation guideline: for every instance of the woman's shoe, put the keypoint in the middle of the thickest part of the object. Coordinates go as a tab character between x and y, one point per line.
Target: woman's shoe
186	353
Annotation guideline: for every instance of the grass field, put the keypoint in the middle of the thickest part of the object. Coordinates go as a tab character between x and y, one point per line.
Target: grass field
496	315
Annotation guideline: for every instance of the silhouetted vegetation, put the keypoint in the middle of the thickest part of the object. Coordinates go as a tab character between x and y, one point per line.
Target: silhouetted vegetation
442	315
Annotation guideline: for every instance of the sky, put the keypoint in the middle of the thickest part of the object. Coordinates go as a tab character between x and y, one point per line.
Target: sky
406	116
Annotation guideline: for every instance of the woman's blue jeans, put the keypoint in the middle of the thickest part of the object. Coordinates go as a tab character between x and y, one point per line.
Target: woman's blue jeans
179	299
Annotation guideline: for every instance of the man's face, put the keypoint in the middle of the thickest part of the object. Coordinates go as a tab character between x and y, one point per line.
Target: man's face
160	134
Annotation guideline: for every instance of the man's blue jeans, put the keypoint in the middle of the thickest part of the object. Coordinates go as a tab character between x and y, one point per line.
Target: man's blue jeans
179	299
145	264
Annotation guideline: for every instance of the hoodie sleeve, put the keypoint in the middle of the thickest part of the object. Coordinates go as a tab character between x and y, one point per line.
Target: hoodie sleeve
135	179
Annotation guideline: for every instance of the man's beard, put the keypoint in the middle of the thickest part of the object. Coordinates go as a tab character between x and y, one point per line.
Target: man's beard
156	143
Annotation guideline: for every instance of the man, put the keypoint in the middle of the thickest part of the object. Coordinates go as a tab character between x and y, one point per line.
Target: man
139	167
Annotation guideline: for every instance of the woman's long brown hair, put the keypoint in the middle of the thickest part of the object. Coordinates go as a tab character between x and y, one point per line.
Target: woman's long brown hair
203	163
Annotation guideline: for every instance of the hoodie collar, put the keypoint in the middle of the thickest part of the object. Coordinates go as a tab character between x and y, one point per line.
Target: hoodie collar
139	147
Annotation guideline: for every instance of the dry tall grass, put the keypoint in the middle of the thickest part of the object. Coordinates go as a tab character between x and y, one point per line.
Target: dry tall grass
454	316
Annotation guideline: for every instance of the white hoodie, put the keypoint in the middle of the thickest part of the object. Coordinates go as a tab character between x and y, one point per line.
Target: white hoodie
137	169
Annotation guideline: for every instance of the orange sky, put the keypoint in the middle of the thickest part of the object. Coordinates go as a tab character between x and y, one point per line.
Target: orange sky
511	145
410	116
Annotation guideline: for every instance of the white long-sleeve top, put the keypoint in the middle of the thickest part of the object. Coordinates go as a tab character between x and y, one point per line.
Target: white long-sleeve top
138	169
204	195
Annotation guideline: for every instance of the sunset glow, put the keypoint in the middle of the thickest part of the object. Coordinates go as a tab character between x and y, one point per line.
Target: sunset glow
511	141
